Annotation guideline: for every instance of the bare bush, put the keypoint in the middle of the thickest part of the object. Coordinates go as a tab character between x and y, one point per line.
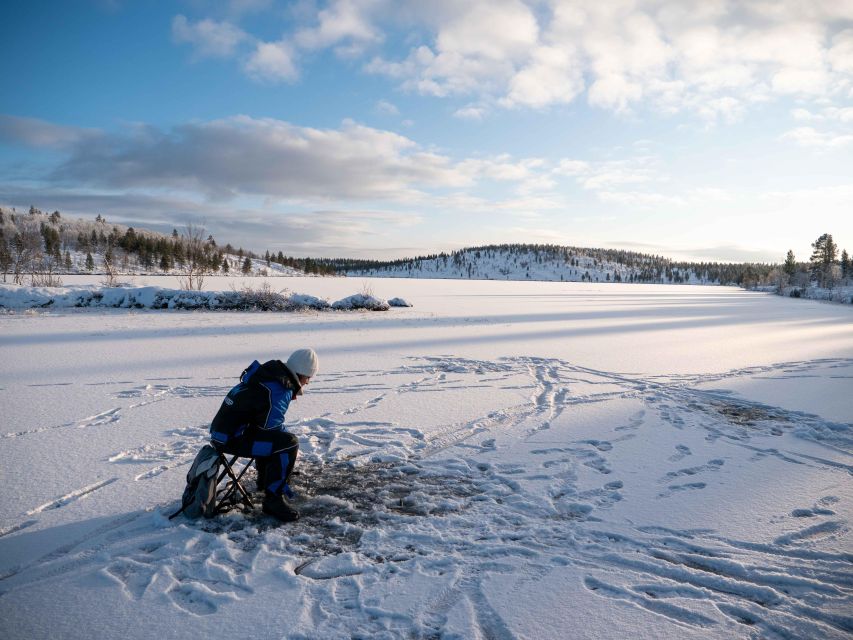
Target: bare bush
25	251
44	273
195	263
110	269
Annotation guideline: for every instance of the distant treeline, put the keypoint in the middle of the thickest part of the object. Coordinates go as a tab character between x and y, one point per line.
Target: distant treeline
638	267
40	246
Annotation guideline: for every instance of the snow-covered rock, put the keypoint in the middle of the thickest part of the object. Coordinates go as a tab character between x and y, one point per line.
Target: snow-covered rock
399	302
304	301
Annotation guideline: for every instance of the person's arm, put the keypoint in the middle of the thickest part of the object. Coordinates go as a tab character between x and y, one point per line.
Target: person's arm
276	404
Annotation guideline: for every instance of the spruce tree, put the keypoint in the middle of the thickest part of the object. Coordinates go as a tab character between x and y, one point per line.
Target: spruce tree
790	267
845	264
247	266
90	262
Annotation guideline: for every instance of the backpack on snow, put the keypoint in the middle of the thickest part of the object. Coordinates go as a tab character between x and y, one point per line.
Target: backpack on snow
199	497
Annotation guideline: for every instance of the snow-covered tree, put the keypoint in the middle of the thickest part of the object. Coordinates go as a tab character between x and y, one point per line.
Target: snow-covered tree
824	254
790	267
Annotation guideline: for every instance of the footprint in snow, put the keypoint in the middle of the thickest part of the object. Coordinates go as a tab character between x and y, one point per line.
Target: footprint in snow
682	451
711	465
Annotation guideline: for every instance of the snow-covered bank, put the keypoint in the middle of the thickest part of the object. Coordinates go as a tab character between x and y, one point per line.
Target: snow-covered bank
504	460
842	294
94	296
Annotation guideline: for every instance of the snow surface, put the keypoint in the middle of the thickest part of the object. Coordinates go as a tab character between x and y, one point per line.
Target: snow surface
502	460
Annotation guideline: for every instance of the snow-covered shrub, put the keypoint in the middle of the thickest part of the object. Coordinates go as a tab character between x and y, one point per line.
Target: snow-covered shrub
304	301
261	299
361	301
399	302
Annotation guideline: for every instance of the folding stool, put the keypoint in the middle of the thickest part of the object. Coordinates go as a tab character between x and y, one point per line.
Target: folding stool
232	492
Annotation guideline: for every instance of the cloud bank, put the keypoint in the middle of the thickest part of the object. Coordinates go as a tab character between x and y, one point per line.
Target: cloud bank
714	59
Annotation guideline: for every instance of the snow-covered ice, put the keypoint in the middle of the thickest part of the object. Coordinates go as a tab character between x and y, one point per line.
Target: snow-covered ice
501	460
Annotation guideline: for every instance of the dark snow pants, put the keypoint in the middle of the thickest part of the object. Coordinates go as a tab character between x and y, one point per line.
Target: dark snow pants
274	452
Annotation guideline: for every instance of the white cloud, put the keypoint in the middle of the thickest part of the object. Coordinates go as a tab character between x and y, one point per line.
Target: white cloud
491	29
714	59
552	76
569	167
272	62
387	108
470	112
597	176
811	137
619	181
840	55
805	114
640	199
501	168
342	21
844	114
710	194
477	45
210	39
840	193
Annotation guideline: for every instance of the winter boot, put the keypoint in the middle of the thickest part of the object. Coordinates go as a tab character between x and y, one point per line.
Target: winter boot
275	506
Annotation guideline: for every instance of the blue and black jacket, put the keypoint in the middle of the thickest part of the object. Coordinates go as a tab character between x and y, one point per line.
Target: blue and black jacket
259	402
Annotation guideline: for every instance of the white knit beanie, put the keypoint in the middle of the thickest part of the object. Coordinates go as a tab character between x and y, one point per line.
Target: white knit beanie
303	362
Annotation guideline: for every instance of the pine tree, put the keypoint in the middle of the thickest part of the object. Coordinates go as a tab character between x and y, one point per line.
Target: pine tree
823	257
247	266
67	260
790	264
845	264
90	262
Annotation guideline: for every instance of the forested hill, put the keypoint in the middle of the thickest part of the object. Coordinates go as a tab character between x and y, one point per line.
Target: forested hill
557	263
37	248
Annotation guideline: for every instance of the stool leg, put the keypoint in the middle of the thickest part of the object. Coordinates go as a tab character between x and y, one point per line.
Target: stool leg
234	485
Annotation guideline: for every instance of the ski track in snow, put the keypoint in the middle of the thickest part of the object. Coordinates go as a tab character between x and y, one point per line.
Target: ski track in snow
434	507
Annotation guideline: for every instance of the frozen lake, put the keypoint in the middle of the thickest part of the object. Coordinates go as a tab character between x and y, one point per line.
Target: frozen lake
501	460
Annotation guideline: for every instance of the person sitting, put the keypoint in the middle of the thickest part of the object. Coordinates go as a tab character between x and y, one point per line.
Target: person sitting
250	423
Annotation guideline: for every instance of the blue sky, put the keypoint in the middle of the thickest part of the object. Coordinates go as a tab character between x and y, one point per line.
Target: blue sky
712	130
